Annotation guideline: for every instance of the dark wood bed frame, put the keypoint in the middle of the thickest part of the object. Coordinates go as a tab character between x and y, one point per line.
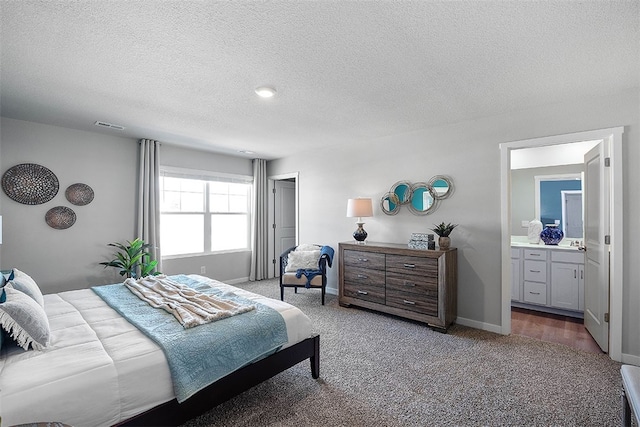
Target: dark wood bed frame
173	413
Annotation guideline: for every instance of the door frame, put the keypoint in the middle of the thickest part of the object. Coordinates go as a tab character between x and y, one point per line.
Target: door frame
271	233
616	226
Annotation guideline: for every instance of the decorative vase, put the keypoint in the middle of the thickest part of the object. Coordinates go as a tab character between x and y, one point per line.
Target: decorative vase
444	242
535	228
551	235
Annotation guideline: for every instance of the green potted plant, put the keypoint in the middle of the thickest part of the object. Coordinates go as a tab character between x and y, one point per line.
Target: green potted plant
443	231
132	259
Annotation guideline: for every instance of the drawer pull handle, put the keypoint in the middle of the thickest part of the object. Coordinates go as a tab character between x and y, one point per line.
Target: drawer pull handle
410	266
534	293
409	284
575	274
363	260
534	254
363	292
362	276
534	271
409	302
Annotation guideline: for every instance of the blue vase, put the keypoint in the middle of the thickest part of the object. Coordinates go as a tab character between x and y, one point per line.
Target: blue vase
551	234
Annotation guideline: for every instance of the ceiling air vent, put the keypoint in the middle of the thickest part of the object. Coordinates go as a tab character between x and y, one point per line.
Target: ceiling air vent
108	125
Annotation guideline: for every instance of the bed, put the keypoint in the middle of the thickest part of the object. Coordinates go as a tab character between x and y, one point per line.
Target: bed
100	370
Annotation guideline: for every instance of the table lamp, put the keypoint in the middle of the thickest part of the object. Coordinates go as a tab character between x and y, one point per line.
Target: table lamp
359	207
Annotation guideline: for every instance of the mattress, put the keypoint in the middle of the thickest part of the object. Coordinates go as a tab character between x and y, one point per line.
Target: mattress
99	369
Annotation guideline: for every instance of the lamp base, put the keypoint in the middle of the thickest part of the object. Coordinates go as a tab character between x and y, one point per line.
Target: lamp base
360	235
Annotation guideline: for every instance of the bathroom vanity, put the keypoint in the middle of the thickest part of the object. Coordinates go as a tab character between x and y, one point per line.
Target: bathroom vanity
547	278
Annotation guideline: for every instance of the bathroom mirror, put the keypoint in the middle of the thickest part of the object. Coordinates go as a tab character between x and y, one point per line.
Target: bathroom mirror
422	199
390	204
558	199
441	186
402	190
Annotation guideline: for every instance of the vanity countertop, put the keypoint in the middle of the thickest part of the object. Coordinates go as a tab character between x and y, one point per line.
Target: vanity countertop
522	242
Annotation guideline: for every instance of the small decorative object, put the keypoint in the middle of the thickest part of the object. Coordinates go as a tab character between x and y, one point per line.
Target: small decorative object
535	228
420	198
359	207
79	194
551	235
443	231
133	260
421	241
60	217
30	184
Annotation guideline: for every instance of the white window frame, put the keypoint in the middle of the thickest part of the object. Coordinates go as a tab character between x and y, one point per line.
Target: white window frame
210	176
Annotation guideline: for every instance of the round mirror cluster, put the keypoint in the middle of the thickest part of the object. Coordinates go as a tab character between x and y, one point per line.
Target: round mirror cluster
421	198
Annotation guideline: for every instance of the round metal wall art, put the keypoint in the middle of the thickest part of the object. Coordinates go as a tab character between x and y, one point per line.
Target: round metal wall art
30	184
60	217
79	194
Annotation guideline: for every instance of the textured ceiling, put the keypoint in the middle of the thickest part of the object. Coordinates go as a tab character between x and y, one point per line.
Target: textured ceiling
184	72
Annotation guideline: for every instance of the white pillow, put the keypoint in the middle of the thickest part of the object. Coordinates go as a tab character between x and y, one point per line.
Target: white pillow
24	320
307	247
307	260
24	283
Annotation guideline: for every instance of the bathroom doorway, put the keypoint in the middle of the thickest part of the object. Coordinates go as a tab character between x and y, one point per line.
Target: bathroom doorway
612	139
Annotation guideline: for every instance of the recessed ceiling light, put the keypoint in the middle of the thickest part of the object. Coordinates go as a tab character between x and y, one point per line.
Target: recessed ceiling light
265	91
246	152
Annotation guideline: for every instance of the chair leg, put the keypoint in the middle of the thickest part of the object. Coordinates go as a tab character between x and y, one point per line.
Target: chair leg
323	295
281	293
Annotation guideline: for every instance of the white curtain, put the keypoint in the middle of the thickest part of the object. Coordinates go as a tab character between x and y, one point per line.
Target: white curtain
260	225
148	226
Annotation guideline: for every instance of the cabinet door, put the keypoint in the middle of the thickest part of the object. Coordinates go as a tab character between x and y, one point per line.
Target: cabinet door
565	286
515	279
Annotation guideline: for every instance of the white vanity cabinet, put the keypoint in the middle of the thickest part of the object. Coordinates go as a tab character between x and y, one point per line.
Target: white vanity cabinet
548	278
516	289
567	278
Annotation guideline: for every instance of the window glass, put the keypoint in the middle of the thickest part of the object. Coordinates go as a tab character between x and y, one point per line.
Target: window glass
181	234
202	216
229	232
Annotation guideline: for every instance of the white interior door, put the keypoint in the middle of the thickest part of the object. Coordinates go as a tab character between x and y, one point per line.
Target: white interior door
596	220
284	219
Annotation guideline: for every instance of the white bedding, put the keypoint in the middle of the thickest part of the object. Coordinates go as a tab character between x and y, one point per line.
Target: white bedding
98	369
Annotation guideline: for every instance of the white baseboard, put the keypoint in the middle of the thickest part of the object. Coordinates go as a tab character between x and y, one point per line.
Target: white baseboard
630	359
236	281
332	291
479	325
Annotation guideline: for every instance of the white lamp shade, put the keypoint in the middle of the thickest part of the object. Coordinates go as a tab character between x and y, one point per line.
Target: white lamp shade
359	207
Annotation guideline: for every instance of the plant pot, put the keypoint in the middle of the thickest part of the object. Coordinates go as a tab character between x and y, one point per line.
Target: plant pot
444	242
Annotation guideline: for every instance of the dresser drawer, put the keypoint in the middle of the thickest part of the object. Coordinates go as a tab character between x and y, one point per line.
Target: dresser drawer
425	303
364	284
363	259
535	293
535	271
424	267
412	284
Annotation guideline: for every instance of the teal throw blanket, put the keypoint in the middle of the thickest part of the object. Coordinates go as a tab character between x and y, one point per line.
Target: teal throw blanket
201	355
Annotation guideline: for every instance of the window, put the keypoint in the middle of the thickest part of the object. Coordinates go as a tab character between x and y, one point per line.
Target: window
203	214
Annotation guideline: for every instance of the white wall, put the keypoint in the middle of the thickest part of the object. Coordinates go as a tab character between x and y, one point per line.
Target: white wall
230	267
68	259
469	153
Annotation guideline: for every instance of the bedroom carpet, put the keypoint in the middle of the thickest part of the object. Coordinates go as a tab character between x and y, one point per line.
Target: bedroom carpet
379	370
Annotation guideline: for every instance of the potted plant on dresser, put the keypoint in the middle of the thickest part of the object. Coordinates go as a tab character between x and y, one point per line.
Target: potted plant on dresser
443	231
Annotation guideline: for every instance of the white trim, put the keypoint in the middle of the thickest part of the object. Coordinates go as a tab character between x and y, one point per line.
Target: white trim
617	235
179	172
478	325
630	359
